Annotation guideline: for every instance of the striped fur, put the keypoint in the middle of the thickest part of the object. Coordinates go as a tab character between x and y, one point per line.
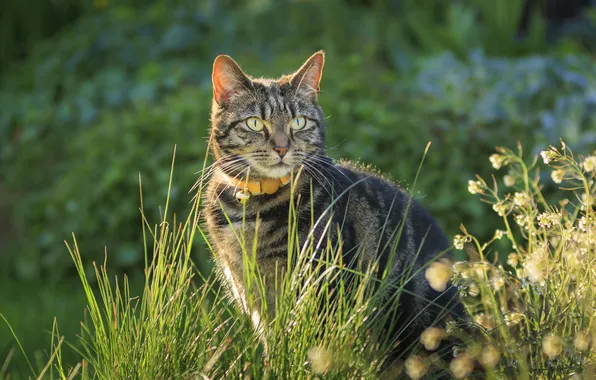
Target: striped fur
370	211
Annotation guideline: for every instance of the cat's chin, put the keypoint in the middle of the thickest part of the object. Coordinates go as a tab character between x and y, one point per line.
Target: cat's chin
275	171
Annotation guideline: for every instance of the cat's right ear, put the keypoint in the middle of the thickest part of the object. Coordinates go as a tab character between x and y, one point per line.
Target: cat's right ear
228	79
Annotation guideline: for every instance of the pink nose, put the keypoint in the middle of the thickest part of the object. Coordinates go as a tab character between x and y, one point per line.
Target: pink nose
281	151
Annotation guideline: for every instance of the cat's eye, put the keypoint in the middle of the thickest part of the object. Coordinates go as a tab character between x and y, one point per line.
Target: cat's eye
255	124
298	123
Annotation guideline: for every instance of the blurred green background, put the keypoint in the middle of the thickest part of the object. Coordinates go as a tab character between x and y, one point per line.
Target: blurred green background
94	93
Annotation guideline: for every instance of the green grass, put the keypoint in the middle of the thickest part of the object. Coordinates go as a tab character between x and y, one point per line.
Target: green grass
534	319
182	326
31	307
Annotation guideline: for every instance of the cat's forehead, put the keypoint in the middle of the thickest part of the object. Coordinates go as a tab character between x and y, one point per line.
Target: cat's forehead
270	97
266	87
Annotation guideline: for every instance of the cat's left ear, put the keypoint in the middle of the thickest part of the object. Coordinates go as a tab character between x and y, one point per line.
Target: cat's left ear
307	78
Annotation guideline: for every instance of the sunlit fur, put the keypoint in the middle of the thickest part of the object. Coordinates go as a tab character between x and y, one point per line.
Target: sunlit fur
369	213
275	103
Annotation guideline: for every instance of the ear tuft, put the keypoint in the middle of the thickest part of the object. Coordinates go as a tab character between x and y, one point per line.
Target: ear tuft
308	77
228	79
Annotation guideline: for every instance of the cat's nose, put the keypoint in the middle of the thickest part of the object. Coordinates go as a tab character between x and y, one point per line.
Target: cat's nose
281	143
281	150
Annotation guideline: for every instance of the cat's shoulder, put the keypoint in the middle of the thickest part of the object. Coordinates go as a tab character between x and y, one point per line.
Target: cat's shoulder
367	170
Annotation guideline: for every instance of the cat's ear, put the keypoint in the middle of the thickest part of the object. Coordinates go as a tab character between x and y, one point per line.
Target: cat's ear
228	79
307	78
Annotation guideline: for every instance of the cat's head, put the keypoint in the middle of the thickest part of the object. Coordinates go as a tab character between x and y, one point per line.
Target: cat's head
267	126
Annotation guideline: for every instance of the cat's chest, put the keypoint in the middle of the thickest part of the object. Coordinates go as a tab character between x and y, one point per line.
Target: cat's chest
235	227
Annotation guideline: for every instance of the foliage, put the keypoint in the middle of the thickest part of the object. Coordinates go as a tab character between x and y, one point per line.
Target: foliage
581	32
424	26
500	28
20	29
538	315
115	90
464	107
95	113
111	96
435	26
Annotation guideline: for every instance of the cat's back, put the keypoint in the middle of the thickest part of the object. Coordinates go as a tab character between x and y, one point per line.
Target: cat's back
379	212
386	225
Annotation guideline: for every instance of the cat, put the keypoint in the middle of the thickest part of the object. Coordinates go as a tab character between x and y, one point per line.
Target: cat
263	131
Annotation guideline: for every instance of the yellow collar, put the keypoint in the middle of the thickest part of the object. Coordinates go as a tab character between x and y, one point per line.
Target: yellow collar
263	186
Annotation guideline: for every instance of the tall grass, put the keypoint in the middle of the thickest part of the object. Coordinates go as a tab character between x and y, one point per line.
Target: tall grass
174	329
533	318
184	326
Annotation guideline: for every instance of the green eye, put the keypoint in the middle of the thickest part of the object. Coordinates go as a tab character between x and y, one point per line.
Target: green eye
255	124
298	123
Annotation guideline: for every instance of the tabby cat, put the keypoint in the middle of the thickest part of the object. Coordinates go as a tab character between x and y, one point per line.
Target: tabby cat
266	130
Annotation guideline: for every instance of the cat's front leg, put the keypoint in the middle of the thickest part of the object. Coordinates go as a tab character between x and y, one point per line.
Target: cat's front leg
272	271
233	277
259	295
